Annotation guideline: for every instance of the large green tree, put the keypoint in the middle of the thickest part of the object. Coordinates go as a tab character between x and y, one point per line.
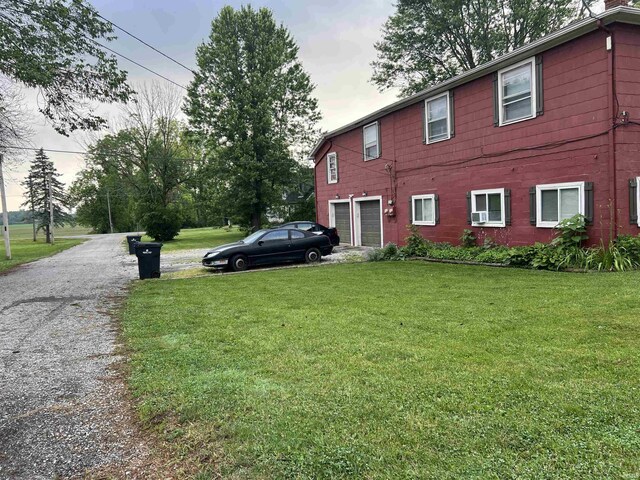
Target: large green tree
53	45
249	105
152	161
427	41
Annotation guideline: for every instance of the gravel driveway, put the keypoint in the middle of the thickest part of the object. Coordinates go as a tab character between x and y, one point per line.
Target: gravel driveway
62	407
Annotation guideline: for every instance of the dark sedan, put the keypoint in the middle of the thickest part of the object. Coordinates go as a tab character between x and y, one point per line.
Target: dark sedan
316	229
266	247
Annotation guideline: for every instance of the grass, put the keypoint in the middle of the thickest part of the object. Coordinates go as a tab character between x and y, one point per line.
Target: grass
24	249
202	238
392	370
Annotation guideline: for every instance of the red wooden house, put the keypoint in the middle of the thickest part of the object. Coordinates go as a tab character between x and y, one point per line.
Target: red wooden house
508	149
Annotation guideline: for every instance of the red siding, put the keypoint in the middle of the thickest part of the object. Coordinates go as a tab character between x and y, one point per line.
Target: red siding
576	105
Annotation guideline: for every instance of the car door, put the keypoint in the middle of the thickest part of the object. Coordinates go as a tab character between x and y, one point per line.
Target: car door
272	247
299	244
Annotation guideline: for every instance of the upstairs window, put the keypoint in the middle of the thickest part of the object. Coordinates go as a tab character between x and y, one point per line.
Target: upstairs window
438	123
558	202
517	92
332	167
371	138
488	208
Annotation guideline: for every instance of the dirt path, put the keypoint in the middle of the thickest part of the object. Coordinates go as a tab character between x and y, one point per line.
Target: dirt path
62	406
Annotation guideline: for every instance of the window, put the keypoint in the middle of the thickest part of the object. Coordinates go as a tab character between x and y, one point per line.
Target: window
438	122
296	235
517	92
371	140
638	200
487	208
332	167
558	202
424	209
276	235
304	226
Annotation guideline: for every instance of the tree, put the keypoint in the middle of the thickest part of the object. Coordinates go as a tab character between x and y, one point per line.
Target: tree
250	101
428	41
152	161
14	119
42	177
95	191
53	45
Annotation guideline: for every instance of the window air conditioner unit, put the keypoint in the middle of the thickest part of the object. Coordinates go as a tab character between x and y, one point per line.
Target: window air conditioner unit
479	217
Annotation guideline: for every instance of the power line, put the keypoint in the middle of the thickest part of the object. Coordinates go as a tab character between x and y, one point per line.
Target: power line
145	43
138	64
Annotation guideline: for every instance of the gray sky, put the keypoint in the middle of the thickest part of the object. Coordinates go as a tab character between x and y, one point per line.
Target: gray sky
336	47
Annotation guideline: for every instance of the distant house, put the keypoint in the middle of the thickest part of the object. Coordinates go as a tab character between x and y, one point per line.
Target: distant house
507	149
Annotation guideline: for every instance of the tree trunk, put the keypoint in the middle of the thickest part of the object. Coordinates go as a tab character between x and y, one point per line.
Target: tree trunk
47	235
256	221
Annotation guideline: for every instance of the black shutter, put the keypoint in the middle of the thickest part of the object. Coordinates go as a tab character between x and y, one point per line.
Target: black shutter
452	116
539	87
411	210
507	206
379	139
424	122
436	207
588	202
633	201
496	102
469	208
532	205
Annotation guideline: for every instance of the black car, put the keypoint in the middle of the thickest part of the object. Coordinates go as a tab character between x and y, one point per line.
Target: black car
266	247
316	229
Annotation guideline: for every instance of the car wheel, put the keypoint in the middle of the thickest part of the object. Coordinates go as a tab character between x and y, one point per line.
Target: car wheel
239	263
312	255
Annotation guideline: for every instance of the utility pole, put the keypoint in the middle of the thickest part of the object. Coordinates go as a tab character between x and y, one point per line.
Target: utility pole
33	211
5	215
51	241
109	207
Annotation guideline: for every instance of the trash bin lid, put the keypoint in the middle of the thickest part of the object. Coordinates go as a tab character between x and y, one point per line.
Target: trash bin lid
148	245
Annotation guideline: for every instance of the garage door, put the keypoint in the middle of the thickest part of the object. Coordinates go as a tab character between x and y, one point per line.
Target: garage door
370	223
342	216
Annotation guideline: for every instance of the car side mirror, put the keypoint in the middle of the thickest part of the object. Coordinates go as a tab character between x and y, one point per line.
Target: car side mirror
260	242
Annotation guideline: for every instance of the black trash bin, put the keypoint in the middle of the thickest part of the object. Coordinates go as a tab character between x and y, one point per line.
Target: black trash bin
131	241
148	254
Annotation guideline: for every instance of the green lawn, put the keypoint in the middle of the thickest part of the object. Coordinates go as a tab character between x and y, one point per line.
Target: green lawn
203	238
24	249
392	370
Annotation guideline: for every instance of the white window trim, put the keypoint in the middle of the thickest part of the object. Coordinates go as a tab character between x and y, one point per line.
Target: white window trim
502	222
332	216
357	236
431	197
557	186
638	199
534	93
364	144
335	156
426	118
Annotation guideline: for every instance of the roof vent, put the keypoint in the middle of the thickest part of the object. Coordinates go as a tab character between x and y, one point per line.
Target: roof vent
609	4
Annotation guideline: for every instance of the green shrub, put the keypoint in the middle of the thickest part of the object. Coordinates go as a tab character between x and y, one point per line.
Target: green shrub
571	232
389	252
416	244
468	238
611	258
631	245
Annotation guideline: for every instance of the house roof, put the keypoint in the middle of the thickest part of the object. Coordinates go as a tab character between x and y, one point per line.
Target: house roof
570	32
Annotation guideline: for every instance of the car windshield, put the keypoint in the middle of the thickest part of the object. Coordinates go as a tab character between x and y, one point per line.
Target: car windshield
254	236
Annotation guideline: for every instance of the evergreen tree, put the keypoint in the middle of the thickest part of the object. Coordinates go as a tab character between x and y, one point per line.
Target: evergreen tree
249	104
42	177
